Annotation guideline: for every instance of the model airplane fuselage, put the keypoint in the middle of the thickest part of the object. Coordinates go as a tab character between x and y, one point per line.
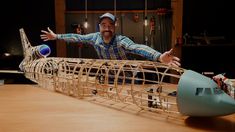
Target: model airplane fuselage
146	84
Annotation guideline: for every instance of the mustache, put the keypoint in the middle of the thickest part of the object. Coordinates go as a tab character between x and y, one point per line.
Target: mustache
107	31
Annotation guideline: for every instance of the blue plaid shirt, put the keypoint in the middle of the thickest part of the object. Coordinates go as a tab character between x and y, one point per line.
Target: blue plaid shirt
117	49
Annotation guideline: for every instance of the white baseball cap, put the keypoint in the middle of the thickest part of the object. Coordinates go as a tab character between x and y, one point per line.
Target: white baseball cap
108	15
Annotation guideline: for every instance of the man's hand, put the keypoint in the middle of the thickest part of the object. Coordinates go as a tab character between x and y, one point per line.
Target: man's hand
48	35
169	59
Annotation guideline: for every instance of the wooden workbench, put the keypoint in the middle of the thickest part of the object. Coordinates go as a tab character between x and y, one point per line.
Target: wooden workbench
28	108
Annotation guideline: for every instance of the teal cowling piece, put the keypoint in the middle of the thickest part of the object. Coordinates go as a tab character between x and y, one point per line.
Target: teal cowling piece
199	95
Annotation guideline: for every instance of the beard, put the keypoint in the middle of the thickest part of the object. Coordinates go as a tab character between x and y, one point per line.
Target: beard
107	34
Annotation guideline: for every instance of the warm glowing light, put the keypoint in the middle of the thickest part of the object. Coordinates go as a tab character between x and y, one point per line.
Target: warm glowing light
116	23
86	24
145	21
7	54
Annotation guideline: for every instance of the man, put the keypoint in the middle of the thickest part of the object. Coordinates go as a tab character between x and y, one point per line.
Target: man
111	46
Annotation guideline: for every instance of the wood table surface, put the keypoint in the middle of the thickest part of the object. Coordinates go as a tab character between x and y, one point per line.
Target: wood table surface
29	108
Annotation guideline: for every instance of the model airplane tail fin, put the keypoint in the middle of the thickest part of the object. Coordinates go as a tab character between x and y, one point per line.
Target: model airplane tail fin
24	41
32	52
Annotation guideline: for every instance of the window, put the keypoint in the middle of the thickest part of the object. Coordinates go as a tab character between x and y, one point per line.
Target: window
208	91
217	91
199	91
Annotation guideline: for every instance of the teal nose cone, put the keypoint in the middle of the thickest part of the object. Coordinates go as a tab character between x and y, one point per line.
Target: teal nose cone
199	95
